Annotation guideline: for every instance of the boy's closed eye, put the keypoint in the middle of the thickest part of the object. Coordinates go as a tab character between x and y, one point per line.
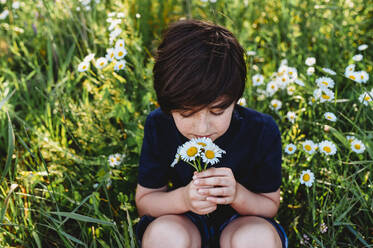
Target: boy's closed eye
213	111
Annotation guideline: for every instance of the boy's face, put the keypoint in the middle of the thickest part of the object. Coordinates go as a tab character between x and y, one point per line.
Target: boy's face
209	122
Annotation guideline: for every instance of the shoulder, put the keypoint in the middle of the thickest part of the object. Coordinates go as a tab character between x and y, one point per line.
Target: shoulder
250	118
158	118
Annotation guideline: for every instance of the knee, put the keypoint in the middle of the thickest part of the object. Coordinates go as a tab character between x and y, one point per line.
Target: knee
167	231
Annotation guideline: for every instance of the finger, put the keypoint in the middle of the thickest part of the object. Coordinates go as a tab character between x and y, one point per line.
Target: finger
220	200
207	210
213	181
217	191
211	172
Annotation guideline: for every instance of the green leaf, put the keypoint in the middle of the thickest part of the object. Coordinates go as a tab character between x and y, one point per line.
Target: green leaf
83	218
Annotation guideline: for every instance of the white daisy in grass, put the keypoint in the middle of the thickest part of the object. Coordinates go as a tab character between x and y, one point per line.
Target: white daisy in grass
325	82
290	148
258	79
362	47
89	57
211	153
272	88
114	34
83	66
330	116
111	14
119	65
292	73
350	68
307	178
241	101
291	90
350	138
352	75
329	71
366	97
110	54
101	63
327	147
357	57
275	104
310	61
115	159
4	14
291	116
121	15
310	70
326	95
251	53
282	81
362	77
138	15
120	53
190	151
309	147
119	44
114	23
299	82
357	146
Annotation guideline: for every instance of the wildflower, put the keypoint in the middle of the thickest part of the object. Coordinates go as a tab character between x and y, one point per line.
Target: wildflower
325	82
114	159
310	61
329	71
299	82
111	14
326	95
16	5
312	100
177	157
241	101
357	146
361	77
366	97
307	178
275	104
101	63
211	153
309	147
119	44
362	47
121	15
272	88
190	150
290	148
4	14
251	53
89	57
350	68
291	90
258	79
350	138
120	65
83	66
95	185
310	70
323	228
282	81
120	53
138	15
327	147
110	54
203	141
291	116
114	23
305	240
353	75
330	116
357	57
292	73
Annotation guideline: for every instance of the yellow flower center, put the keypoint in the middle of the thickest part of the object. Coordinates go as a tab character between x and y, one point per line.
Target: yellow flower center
329	117
120	44
113	160
102	63
325	96
290	73
308	147
272	86
275	105
120	53
325	83
258	80
192	151
210	154
357	146
306	177
118	158
120	66
367	98
84	67
327	149
362	77
111	55
283	79
201	144
313	100
352	77
290	149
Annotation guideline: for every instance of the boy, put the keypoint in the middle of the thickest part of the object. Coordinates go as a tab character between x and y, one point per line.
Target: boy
199	75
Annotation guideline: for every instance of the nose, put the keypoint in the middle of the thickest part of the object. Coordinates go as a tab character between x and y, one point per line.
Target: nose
202	124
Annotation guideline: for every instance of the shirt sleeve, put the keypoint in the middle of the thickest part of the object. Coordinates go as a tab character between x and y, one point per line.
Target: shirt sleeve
267	172
151	172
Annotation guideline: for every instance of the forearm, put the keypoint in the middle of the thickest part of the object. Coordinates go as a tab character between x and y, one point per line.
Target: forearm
160	203
250	203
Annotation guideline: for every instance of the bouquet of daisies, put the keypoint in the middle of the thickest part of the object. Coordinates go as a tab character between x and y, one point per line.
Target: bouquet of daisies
198	153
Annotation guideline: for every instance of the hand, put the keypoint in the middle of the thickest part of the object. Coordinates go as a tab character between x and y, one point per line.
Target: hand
197	202
222	186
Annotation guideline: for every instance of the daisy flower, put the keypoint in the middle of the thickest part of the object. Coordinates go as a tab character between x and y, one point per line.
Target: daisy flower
349	69
291	90
190	150
350	138
299	82
4	14
290	148
362	77
292	73
119	65
89	57
114	23
357	146
275	104
325	82
307	178
115	159
177	157
258	79
309	147
251	53
323	228
203	141
366	97
310	61
83	66
211	153
352	75
101	63
326	95
110	54
120	53
327	147
330	116
138	15
241	101
282	81
357	57
329	71
310	70
362	47
291	116
121	15
119	44
271	88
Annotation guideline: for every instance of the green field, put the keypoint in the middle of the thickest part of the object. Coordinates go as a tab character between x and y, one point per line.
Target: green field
60	122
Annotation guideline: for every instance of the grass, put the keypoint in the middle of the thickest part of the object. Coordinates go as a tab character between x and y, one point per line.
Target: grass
58	126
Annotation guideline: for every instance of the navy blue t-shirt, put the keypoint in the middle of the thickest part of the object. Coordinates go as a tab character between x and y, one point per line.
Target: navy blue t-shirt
252	144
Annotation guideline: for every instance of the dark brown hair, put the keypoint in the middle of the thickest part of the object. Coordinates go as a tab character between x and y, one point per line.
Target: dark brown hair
197	63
